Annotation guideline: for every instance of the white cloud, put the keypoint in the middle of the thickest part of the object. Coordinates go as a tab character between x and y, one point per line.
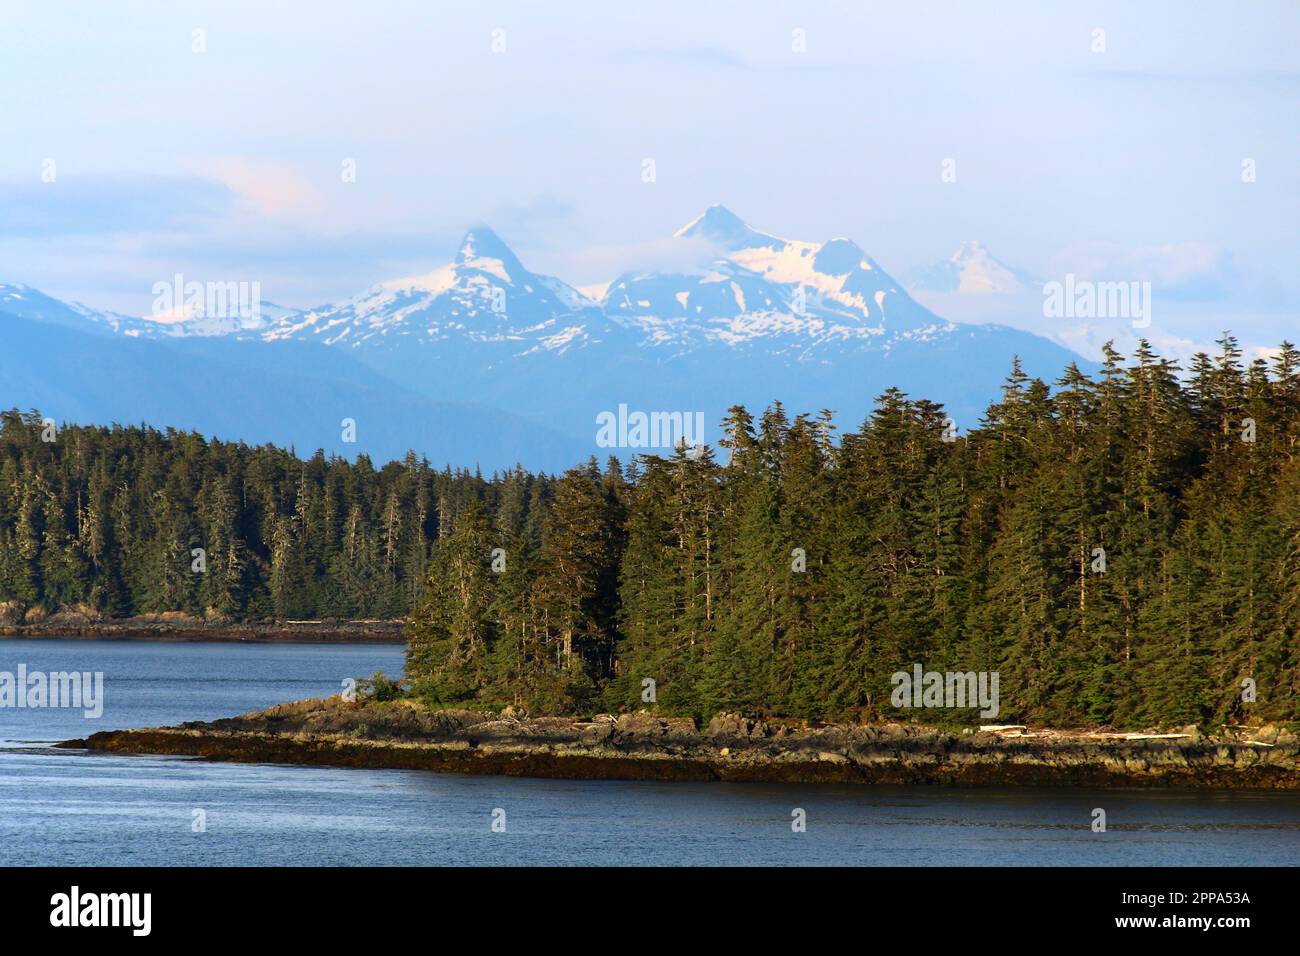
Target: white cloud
673	254
1188	269
272	189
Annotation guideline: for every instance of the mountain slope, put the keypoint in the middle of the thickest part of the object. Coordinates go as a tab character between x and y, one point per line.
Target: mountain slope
485	296
973	270
788	297
755	319
286	393
24	302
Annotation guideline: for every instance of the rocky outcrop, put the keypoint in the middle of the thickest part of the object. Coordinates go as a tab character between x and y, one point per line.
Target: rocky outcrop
406	734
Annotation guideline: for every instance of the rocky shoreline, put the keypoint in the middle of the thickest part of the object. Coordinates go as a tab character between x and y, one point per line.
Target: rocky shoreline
181	627
404	734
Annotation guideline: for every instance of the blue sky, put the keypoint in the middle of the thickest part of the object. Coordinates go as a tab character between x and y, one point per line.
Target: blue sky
226	163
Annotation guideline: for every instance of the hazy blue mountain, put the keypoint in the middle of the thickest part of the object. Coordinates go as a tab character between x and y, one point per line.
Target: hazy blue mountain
24	302
756	319
751	318
797	298
973	270
287	393
484	299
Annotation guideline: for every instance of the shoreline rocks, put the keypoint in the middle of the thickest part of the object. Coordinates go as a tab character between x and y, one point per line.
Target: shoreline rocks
405	734
183	627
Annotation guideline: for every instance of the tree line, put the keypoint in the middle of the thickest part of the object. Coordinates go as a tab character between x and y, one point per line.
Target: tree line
127	521
1121	549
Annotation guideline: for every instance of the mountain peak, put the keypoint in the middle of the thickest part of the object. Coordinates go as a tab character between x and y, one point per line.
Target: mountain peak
840	256
971	249
972	269
716	219
724	228
481	242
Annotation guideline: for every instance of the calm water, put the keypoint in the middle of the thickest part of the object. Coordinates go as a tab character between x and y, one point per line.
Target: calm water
67	807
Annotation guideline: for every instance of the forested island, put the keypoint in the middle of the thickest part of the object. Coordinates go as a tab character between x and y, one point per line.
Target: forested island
1123	551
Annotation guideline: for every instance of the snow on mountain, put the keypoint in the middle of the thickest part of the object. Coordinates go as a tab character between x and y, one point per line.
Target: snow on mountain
484	296
242	322
758	288
24	302
724	229
749	288
754	319
972	270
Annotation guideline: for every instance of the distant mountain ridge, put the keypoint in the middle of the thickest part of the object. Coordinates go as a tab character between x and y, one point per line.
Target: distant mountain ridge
754	319
484	295
973	270
287	393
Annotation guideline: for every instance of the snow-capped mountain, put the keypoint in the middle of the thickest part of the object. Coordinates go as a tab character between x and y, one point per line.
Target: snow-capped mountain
754	319
792	297
750	288
973	270
24	302
184	321
194	322
484	296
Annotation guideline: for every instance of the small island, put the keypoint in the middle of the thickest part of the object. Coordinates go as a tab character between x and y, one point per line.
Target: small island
408	734
1098	585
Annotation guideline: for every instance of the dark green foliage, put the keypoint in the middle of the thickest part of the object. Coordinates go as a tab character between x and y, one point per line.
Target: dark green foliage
792	576
107	519
379	687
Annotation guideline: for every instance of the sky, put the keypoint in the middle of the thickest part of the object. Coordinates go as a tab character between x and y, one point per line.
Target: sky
143	139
